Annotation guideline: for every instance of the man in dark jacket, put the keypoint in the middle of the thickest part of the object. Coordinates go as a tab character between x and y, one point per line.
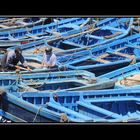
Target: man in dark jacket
11	59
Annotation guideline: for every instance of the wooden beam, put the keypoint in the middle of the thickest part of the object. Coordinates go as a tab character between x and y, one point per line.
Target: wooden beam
124	55
3	26
102	60
104	55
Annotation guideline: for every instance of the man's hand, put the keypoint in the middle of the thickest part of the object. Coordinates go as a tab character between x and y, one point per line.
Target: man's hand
29	69
17	67
44	66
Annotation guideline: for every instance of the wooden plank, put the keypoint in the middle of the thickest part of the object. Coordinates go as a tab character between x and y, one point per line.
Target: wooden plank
22	23
10	20
32	36
107	54
3	26
104	55
113	35
102	61
120	49
35	65
77	34
124	55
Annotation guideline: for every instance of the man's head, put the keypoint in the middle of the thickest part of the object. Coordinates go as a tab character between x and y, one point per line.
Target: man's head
48	50
18	51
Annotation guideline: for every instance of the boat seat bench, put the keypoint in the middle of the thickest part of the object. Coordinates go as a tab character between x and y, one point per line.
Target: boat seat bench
68	111
99	110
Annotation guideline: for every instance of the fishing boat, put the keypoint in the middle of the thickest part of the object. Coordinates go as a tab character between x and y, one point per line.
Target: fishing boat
53	81
6	117
104	31
87	35
98	60
127	77
104	58
119	105
16	23
34	113
26	35
38	46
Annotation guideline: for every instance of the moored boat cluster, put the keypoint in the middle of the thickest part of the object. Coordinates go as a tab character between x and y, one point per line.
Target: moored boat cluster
69	69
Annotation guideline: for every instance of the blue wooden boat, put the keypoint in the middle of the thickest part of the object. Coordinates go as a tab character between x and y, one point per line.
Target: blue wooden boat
49	27
53	81
98	60
127	77
25	35
112	29
35	113
37	46
104	58
121	105
6	117
79	34
16	23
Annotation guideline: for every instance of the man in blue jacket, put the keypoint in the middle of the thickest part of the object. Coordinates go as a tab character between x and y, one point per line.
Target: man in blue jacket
11	59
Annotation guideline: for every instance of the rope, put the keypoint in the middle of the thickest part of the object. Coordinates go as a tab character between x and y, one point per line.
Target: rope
125	82
37	50
64	118
126	120
70	58
35	85
25	90
88	39
37	114
16	81
63	64
108	116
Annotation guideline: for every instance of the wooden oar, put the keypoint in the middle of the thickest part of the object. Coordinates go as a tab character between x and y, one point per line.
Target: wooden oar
23	68
133	79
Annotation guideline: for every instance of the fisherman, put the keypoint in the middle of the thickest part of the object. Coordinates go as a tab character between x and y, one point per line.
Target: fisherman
49	58
10	60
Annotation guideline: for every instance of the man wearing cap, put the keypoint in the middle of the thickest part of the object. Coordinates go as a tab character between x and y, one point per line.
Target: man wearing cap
12	58
49	58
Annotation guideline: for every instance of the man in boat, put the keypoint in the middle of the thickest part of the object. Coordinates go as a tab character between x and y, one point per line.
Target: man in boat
10	60
49	59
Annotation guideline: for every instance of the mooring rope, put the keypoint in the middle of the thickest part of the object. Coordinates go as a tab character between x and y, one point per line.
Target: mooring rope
37	113
64	117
